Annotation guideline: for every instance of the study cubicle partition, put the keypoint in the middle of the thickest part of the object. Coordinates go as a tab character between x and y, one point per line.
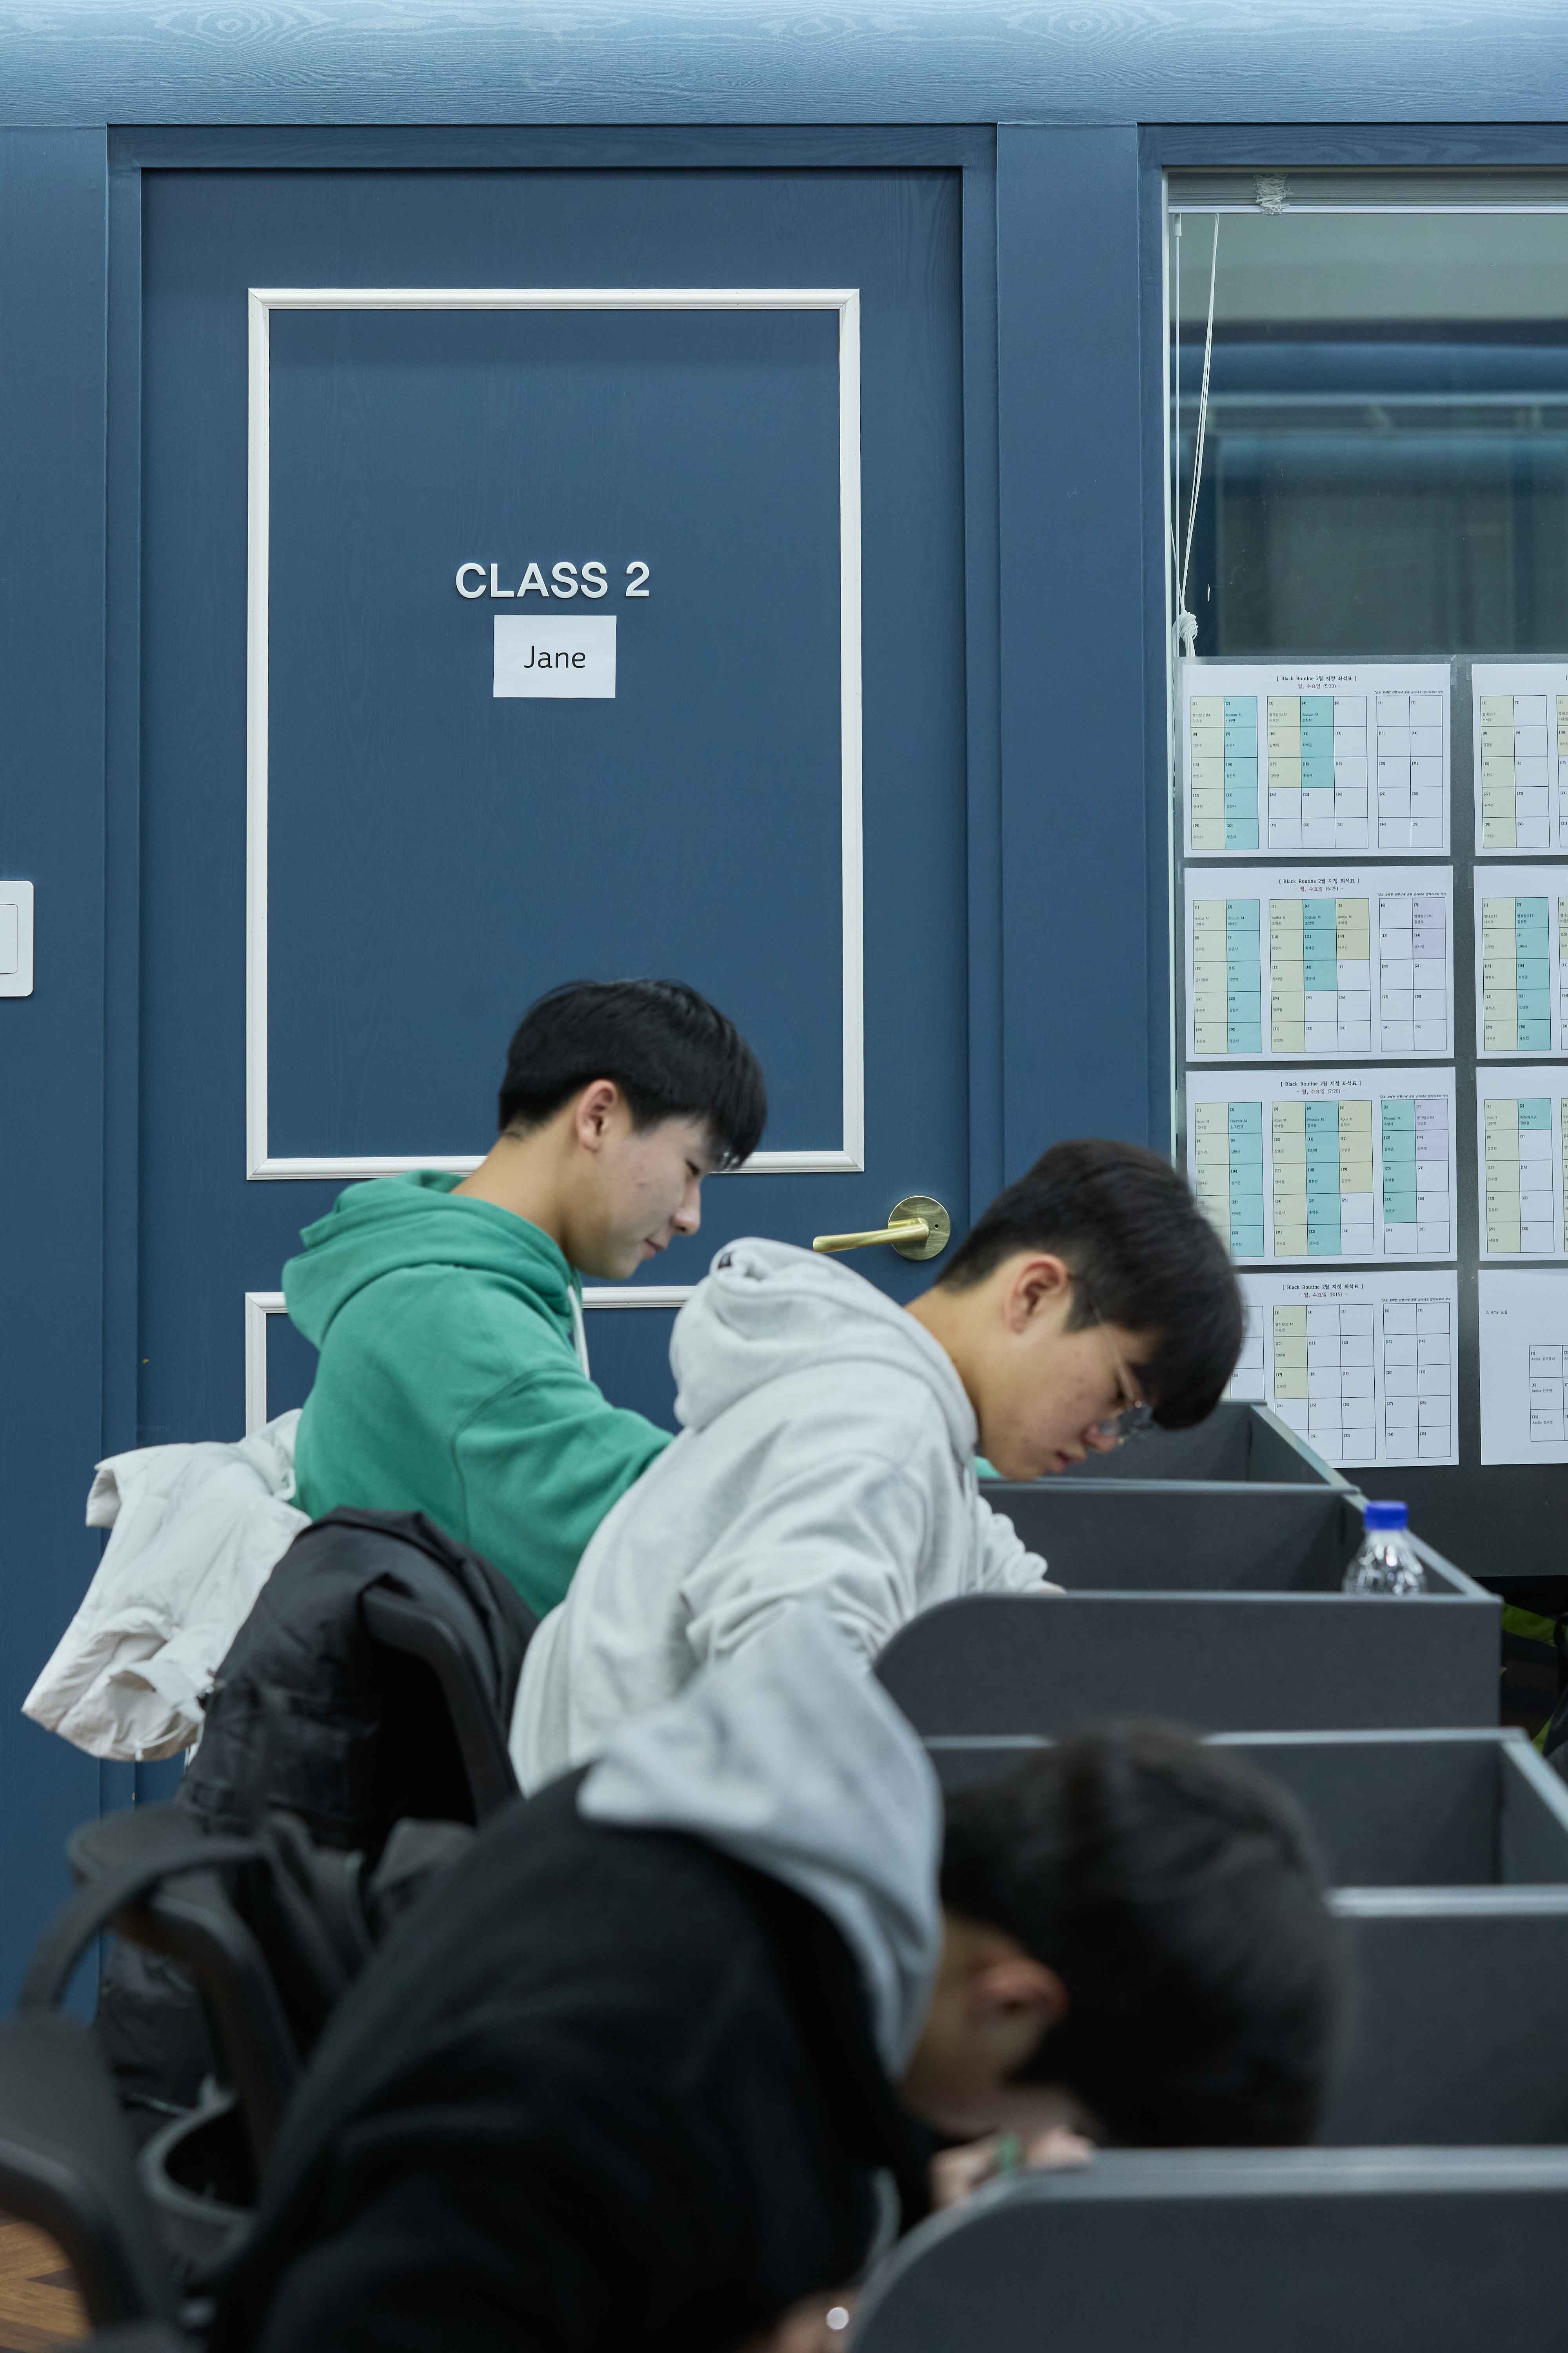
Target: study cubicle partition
1236	1443
1200	1626
1455	2028
1449	1856
1135	1536
1228	2252
1430	1809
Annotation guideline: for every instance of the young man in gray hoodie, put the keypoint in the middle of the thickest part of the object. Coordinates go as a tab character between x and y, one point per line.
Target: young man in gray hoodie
829	1436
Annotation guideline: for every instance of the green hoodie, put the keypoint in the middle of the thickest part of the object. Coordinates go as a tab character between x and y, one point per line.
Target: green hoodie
450	1381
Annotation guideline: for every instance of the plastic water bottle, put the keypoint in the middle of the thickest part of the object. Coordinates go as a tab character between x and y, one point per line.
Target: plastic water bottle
1385	1563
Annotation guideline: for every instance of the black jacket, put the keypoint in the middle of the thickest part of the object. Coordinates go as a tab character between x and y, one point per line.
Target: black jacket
603	2089
309	1713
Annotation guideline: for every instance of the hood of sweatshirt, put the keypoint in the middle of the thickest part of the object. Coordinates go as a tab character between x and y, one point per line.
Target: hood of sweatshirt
792	1758
393	1222
767	1310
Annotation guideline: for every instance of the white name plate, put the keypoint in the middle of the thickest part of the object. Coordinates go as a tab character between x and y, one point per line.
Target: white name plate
555	657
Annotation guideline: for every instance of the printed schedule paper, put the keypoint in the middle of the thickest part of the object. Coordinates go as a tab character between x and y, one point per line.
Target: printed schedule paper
1304	964
1524	1365
1315	761
1519	1129
1522	917
1518	735
1363	1366
1326	1165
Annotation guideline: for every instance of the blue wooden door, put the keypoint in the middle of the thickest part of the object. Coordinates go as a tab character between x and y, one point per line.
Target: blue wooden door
391	419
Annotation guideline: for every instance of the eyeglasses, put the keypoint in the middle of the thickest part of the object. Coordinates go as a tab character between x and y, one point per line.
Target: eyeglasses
1133	1420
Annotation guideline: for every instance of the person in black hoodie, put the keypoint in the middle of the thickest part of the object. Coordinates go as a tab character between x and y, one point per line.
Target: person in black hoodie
673	2046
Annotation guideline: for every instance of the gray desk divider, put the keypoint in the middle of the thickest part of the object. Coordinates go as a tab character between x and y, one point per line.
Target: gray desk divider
1200	1535
1237	1442
1457	2031
1236	1659
1456	2035
1261	2251
1387	1809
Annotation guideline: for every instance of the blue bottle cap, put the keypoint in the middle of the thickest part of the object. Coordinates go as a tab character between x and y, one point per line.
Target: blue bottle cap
1386	1515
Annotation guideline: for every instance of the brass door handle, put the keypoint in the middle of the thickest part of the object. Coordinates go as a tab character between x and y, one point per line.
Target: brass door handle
916	1227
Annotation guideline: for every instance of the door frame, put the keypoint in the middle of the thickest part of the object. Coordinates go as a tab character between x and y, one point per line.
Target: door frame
969	152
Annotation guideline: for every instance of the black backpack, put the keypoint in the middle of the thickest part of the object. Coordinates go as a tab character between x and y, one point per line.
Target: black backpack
371	1683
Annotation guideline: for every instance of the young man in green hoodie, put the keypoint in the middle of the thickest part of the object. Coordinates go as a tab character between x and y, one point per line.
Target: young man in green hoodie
453	1375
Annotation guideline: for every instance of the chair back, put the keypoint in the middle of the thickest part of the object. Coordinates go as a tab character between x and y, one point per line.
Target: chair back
66	2166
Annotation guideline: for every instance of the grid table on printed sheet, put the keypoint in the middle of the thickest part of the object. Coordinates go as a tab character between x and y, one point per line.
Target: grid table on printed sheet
1222	771
1324	1375
1324	1206
1521	1133
1548	1394
1516	735
1520	744
1296	964
1413	947
1227	976
1362	1365
1417	1187
1515	975
1320	975
1316	761
1297	1165
1417	1379
1523	1331
1319	783
1521	1180
1521	972
1227	1171
1412	793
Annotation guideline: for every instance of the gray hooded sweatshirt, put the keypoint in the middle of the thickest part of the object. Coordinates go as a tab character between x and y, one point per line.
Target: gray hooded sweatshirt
796	1761
827	1450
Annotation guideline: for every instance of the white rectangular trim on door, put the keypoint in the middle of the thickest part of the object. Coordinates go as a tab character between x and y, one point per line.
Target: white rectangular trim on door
848	1156
260	1305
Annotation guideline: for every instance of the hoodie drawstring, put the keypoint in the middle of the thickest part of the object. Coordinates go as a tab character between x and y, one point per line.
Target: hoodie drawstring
579	1330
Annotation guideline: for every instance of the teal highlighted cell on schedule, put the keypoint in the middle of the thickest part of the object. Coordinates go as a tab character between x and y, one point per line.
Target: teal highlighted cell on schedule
1240	819
1241	772
1244	1127
1399	1163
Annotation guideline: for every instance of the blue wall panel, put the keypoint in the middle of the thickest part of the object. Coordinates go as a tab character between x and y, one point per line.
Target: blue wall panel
724	61
703	444
52	212
1074	762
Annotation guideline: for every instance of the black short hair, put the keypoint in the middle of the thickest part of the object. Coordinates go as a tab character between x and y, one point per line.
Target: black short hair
1174	1890
1142	1254
672	1055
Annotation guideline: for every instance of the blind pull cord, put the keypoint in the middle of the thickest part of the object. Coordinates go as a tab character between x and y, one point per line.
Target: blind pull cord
1187	622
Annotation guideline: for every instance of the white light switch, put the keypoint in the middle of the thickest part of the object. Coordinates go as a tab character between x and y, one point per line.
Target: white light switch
15	939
